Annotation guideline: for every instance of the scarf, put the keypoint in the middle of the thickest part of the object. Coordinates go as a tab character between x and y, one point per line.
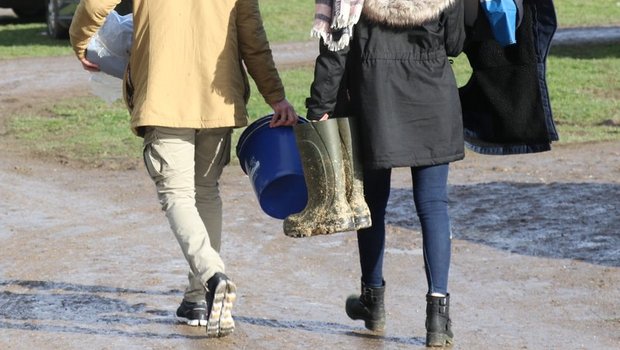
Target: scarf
334	21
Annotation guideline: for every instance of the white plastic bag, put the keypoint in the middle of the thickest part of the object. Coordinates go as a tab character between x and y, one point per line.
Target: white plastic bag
110	47
106	87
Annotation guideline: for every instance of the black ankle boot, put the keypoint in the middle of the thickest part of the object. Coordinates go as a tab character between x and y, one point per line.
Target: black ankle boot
438	324
368	306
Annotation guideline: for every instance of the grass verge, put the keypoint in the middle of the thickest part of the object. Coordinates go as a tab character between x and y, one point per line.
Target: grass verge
584	85
86	130
284	21
30	40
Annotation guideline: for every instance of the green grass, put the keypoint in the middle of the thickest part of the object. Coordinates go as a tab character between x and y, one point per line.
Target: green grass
85	130
30	40
576	13
288	20
297	85
92	132
584	86
284	21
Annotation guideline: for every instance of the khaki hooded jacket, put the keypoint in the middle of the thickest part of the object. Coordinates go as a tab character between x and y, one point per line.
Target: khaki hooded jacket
188	60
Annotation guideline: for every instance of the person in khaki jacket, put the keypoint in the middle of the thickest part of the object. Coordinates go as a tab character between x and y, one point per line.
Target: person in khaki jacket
186	88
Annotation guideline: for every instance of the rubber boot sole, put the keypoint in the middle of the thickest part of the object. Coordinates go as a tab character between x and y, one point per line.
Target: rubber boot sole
438	340
362	222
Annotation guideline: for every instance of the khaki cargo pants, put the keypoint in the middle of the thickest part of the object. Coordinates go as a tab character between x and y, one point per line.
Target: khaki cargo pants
185	165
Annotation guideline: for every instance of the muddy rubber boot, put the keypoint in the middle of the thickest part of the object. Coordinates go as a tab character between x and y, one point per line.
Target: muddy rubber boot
354	173
368	306
327	210
438	324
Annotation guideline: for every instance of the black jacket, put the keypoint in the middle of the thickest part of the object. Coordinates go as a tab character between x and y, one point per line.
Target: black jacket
399	85
506	107
505	104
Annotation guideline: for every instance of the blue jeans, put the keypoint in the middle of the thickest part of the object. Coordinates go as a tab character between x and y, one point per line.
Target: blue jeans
431	201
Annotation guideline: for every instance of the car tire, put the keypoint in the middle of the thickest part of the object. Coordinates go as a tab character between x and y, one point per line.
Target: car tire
55	29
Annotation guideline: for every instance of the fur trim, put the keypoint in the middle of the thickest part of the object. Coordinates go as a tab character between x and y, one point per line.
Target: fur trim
404	13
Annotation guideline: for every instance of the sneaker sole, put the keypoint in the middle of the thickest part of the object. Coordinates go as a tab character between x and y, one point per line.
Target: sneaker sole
193	323
220	322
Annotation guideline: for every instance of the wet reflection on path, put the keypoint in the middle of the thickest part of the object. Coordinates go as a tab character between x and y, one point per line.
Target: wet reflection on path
57	307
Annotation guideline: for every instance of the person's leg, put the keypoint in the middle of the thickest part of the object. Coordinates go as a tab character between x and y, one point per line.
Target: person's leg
431	202
169	159
369	304
212	154
371	241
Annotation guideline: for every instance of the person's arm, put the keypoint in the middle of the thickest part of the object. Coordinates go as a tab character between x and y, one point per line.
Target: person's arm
257	57
87	19
329	70
454	28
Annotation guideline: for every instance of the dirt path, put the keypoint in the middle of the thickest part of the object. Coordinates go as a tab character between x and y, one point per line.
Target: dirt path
87	257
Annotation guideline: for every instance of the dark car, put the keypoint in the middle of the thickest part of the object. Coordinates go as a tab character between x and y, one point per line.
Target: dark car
26	9
57	13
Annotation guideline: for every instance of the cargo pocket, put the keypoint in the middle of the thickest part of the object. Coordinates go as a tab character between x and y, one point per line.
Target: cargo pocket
223	158
153	161
215	152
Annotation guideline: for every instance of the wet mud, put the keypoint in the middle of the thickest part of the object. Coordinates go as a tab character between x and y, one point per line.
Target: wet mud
87	257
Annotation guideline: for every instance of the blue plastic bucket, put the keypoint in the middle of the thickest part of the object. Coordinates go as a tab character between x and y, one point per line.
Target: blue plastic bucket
269	156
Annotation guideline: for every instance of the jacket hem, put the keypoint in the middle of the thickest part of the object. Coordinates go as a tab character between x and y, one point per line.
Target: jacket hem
414	162
490	148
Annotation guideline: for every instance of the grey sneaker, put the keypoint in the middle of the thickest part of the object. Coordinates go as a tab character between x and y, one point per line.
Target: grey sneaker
194	314
221	294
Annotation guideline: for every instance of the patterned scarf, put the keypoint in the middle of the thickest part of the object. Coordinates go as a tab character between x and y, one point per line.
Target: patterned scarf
334	20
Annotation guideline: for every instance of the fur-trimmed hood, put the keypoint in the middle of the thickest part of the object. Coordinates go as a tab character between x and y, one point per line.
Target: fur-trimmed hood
404	13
